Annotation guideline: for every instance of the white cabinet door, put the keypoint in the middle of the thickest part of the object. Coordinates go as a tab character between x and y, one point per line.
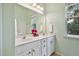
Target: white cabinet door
25	53
21	54
44	51
36	51
20	50
29	49
50	45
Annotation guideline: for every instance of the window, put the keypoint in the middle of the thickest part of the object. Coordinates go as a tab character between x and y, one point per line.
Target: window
72	18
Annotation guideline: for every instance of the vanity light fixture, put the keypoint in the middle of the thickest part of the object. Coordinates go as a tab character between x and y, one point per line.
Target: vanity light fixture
35	5
40	8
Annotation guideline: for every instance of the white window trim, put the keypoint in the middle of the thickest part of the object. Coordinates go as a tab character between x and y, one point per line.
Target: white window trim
70	35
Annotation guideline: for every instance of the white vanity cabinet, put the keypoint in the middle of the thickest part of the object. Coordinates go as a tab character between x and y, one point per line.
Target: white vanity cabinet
50	45
29	49
42	47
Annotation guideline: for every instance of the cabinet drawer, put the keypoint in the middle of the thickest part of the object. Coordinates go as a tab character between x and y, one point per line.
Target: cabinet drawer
32	44
21	54
20	49
36	51
23	48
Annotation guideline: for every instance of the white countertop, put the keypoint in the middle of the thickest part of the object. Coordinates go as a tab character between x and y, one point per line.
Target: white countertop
30	38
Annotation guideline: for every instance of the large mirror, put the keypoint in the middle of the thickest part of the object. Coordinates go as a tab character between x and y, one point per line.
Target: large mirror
26	20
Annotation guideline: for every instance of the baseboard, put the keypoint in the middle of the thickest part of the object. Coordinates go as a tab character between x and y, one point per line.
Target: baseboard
52	53
59	53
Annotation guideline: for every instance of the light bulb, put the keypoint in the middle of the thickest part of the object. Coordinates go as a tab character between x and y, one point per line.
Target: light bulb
38	6
42	8
34	4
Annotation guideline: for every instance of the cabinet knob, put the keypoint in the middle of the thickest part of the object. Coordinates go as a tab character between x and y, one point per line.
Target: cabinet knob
44	41
44	46
29	53
33	50
51	42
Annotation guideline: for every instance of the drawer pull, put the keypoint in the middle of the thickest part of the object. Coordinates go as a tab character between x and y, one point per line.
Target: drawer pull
29	53
51	42
33	50
44	46
44	41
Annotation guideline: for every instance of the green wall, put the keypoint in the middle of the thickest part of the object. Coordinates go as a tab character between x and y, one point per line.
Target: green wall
56	14
0	28
8	32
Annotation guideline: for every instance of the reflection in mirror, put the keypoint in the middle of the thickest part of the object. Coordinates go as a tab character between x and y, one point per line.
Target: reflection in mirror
26	20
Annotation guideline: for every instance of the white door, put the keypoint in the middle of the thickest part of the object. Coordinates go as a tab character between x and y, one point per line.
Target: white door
36	51
50	45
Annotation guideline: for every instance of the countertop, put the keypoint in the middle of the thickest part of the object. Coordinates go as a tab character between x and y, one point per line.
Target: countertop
30	38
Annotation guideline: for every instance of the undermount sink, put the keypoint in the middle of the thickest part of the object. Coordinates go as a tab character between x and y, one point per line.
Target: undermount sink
23	38
27	38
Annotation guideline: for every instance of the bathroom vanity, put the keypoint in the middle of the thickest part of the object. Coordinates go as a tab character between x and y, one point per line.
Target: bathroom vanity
43	45
25	43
